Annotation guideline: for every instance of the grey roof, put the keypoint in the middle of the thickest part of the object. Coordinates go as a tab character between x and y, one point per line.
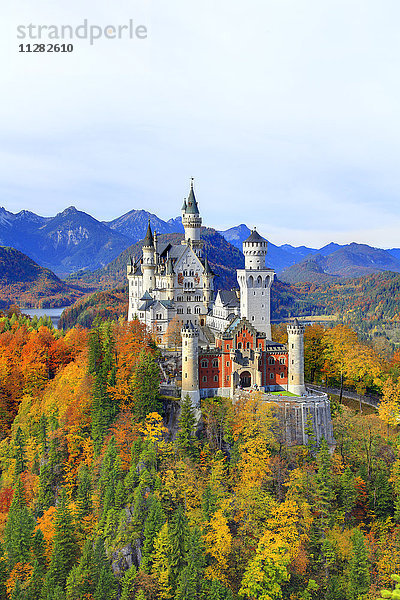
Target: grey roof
255	237
166	303
228	297
145	305
148	240
191	204
146	296
184	205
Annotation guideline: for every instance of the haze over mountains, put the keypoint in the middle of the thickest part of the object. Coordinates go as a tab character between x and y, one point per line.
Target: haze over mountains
73	241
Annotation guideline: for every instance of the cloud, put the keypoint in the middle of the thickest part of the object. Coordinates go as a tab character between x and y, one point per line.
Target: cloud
286	113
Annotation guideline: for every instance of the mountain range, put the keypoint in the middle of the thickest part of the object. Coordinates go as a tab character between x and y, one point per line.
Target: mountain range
74	241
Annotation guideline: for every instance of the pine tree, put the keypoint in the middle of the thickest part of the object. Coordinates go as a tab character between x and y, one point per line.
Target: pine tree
191	578
81	578
39	566
155	520
65	548
161	562
145	384
106	585
84	493
128	583
359	580
178	537
20	455
19	528
348	492
185	439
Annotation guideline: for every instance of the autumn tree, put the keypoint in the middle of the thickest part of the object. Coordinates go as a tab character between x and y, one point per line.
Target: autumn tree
145	387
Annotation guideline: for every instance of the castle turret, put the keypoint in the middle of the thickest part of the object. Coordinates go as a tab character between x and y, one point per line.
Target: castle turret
208	284
296	358
148	263
190	364
169	276
191	221
255	282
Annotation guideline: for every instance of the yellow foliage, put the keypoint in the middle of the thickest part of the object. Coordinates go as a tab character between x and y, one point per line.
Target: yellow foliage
153	428
218	541
47	525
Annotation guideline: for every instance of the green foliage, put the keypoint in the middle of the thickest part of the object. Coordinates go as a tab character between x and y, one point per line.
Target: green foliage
65	548
19	528
185	439
359	580
145	387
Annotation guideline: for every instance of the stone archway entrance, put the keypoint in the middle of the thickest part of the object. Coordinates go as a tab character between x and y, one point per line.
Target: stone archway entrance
245	379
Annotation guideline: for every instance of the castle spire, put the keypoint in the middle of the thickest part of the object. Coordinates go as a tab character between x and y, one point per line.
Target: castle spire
148	240
191	205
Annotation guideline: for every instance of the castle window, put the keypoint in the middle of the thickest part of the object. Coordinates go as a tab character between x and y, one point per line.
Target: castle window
248	345
180	310
185	375
282	360
215	363
239	345
185	273
271	375
204	378
292	362
185	358
227	377
260	346
191	273
142	315
292	377
189	310
197	310
179	299
215	377
227	363
282	375
204	364
271	360
292	345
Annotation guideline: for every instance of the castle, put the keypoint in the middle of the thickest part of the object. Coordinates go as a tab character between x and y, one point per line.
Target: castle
226	335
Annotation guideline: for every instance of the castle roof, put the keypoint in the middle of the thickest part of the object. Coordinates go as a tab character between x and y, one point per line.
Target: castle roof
148	240
191	204
146	296
184	205
207	268
228	298
255	237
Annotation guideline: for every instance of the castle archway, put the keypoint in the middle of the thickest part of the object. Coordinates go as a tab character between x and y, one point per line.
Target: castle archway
245	379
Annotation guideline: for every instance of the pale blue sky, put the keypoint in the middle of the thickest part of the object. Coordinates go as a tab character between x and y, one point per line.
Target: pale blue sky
286	112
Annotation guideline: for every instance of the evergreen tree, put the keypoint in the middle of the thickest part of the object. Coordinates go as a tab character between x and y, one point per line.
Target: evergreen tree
153	524
65	548
84	493
128	583
19	528
324	485
348	492
106	587
81	578
178	534
185	439
20	455
190	582
359	580
145	384
39	566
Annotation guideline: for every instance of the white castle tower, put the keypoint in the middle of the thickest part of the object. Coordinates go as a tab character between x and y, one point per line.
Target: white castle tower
191	221
148	262
255	282
296	358
190	364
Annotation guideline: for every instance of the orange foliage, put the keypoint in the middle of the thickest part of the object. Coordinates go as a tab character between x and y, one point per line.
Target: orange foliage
125	433
46	524
21	571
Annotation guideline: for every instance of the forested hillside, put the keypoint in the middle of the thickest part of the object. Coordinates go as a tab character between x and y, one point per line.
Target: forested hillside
99	500
24	282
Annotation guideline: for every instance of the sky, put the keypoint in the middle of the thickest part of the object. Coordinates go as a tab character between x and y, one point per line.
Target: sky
286	113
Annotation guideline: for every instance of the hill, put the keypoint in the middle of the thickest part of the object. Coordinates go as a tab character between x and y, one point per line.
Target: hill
353	260
223	257
24	282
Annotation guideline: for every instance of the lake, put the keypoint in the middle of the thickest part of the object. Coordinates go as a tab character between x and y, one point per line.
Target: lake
53	313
